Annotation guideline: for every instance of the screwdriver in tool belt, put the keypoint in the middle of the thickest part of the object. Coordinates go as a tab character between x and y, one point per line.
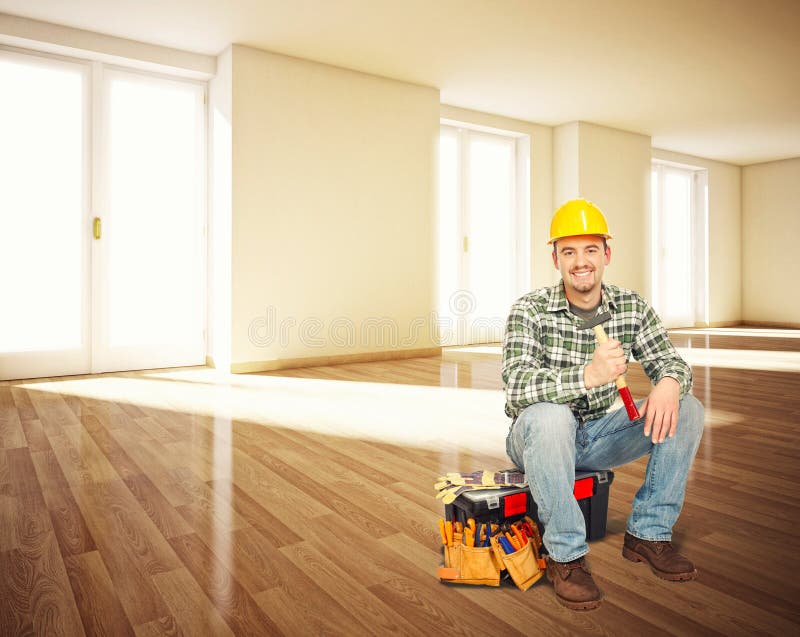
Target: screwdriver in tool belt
512	540
519	535
448	528
507	546
469	537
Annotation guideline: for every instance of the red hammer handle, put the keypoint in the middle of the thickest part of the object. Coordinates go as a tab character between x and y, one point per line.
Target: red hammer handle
622	386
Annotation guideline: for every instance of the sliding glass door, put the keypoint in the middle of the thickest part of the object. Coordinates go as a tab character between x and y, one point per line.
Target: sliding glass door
151	273
44	196
679	245
480	267
102	214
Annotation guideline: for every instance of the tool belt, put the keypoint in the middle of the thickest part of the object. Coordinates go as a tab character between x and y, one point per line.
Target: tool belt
477	554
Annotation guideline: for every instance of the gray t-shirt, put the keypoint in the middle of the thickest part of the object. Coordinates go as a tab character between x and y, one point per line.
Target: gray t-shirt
581	313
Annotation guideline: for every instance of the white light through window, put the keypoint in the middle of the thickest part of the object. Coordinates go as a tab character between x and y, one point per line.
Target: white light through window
41	204
678	244
154	191
481	266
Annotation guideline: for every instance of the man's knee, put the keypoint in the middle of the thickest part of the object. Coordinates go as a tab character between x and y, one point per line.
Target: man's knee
547	421
691	417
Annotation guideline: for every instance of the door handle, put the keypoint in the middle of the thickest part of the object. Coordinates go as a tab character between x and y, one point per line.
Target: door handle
97	228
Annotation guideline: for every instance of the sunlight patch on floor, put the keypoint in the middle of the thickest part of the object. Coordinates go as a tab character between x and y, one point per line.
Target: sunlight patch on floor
716	417
420	416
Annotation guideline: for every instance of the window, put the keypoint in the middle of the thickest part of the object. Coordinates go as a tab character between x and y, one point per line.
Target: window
43	197
102	214
679	244
483	231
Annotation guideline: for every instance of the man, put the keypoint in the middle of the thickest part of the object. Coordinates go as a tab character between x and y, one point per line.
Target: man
560	391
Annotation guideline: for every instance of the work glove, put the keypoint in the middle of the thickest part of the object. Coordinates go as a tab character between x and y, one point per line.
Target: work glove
452	485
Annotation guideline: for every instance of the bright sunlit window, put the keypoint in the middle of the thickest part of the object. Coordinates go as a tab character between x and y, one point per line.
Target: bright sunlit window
154	203
679	244
102	217
42	200
483	230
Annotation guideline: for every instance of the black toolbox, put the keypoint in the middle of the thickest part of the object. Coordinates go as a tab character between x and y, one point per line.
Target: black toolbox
512	503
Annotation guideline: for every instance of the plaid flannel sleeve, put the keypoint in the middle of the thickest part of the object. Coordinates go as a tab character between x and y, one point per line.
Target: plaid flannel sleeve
525	379
659	358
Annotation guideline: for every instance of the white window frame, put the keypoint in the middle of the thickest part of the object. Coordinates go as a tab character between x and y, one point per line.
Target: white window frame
25	364
103	358
698	248
519	246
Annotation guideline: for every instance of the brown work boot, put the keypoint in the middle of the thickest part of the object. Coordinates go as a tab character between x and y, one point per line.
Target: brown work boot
573	583
662	557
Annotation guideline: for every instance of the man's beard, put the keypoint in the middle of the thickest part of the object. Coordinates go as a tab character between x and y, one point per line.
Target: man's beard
583	286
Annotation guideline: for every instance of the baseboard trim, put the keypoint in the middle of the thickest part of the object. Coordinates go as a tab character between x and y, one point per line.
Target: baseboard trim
773	324
251	367
744	325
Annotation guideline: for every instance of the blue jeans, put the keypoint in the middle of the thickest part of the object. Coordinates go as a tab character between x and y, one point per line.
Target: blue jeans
547	443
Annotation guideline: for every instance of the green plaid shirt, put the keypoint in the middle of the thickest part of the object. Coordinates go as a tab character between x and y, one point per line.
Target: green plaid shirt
545	352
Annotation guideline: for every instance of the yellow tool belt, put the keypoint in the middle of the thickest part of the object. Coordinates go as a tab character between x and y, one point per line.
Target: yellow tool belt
477	554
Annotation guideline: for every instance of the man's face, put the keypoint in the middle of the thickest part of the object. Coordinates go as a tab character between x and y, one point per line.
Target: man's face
581	261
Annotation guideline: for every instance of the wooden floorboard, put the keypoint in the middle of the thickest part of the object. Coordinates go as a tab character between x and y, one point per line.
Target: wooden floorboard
300	502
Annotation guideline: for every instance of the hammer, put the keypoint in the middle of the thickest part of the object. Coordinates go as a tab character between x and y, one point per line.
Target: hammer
622	386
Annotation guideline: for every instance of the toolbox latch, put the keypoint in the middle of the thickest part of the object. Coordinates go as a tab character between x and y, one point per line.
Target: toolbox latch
515	504
584	488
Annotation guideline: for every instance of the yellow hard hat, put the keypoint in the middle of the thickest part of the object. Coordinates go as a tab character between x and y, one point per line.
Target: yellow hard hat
576	217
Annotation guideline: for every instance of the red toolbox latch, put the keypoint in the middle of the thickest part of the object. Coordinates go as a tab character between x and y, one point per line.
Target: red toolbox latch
515	504
584	488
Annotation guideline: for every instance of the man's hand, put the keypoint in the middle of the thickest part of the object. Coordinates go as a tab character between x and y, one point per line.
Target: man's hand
608	362
660	410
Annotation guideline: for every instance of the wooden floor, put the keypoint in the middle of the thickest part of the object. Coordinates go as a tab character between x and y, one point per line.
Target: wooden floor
301	502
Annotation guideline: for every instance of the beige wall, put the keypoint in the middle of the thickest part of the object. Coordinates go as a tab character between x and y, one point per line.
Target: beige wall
724	235
565	166
611	168
333	209
770	237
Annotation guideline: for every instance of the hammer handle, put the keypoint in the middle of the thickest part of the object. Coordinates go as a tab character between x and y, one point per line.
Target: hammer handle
622	386
602	337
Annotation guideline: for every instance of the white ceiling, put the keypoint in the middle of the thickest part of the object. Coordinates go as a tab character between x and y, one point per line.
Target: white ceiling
713	78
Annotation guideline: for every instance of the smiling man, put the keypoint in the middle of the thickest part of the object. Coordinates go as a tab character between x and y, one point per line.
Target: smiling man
560	392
